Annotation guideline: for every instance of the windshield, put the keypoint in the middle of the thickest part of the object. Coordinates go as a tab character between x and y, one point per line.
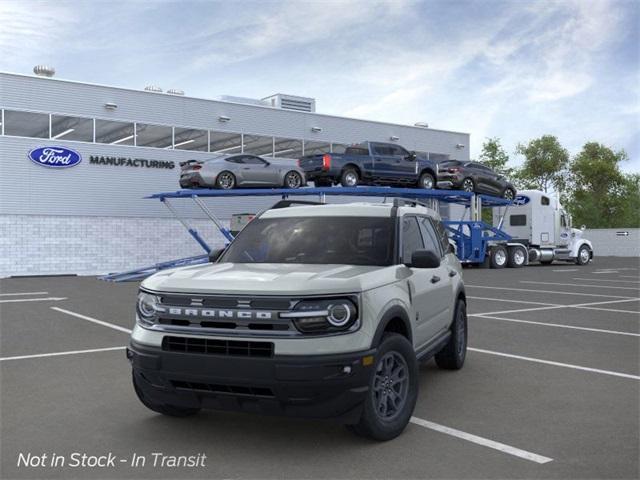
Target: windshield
318	240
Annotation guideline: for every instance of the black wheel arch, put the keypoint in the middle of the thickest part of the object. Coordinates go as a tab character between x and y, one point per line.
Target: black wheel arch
352	166
430	171
396	320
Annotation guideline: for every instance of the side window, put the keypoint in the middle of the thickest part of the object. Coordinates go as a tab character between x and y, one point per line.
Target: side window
235	159
443	236
544	201
517	220
398	151
563	220
431	241
411	238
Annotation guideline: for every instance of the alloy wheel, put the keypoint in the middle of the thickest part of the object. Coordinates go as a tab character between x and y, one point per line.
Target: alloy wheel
351	179
226	181
427	182
467	185
293	180
390	385
508	194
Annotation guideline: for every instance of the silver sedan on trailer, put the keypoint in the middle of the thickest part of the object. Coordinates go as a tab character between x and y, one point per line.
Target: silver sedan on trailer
241	170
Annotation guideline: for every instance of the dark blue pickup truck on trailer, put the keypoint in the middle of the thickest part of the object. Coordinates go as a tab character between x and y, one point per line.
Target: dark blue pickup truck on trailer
371	163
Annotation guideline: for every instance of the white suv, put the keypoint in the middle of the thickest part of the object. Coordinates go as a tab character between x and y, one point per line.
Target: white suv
313	310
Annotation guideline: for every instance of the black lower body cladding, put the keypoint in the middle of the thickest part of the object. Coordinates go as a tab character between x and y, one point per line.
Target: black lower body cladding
313	386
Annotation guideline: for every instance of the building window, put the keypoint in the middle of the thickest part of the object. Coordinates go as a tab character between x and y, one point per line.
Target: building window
71	128
314	148
190	139
225	142
258	145
26	124
287	148
114	133
157	136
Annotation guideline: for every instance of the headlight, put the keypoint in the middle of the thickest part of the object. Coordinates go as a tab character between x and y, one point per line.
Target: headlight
147	308
324	316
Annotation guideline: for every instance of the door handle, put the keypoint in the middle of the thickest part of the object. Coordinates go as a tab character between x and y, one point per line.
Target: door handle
435	279
452	273
246	168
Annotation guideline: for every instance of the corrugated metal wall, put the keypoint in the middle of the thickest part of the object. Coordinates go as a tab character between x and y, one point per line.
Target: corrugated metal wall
614	242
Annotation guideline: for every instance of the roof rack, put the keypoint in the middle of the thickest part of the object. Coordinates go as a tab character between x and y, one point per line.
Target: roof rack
289	203
410	202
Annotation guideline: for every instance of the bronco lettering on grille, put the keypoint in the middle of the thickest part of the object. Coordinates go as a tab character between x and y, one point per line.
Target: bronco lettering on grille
213	313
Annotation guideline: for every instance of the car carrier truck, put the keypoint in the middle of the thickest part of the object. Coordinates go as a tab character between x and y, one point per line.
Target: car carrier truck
540	231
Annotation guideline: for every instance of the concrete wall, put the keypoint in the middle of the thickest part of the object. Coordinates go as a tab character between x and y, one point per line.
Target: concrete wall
608	242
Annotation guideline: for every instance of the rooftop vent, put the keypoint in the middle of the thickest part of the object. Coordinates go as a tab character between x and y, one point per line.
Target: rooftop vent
175	91
291	102
44	71
153	88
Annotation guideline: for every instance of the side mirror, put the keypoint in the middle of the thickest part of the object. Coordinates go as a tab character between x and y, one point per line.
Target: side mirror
412	156
583	228
214	255
424	259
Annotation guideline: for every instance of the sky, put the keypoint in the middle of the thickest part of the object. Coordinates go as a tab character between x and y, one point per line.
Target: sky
509	69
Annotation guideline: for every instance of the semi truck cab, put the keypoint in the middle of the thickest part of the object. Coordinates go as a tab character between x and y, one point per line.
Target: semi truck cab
538	221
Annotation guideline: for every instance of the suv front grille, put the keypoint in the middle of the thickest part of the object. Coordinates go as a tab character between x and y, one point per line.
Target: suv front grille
230	389
217	347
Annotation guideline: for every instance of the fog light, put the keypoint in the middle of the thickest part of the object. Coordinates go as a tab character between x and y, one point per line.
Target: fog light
368	360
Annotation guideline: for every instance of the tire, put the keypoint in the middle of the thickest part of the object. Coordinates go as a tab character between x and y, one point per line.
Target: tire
584	255
395	352
452	356
349	177
508	194
517	257
498	257
468	185
164	409
292	180
427	181
226	180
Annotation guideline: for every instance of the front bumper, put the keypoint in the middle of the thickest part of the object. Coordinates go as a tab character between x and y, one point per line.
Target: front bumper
313	386
449	181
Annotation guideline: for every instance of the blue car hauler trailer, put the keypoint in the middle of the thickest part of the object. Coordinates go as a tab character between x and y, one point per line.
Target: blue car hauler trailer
473	238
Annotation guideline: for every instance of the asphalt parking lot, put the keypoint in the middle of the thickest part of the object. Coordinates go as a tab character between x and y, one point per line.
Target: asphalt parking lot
551	389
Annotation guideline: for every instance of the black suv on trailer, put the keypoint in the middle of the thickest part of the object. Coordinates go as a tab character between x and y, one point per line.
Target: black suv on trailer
474	177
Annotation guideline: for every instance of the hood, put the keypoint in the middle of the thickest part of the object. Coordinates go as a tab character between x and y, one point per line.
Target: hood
271	279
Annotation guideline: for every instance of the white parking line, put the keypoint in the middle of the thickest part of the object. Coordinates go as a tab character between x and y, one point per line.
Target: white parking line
485	442
551	306
531	290
567	270
514	301
604	280
57	354
555	364
20	300
93	320
558	325
582	285
555	307
23	293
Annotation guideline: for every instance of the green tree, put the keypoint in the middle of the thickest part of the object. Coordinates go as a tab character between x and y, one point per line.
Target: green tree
544	165
494	156
600	195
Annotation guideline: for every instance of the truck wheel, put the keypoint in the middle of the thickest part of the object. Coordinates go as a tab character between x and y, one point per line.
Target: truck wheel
226	180
517	257
452	356
584	255
164	409
349	178
393	390
498	256
427	181
468	185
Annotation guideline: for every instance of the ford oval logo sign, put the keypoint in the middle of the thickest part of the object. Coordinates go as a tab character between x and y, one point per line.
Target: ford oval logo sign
521	200
55	157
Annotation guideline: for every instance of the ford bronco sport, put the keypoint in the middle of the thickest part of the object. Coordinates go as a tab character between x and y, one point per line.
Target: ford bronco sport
320	311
